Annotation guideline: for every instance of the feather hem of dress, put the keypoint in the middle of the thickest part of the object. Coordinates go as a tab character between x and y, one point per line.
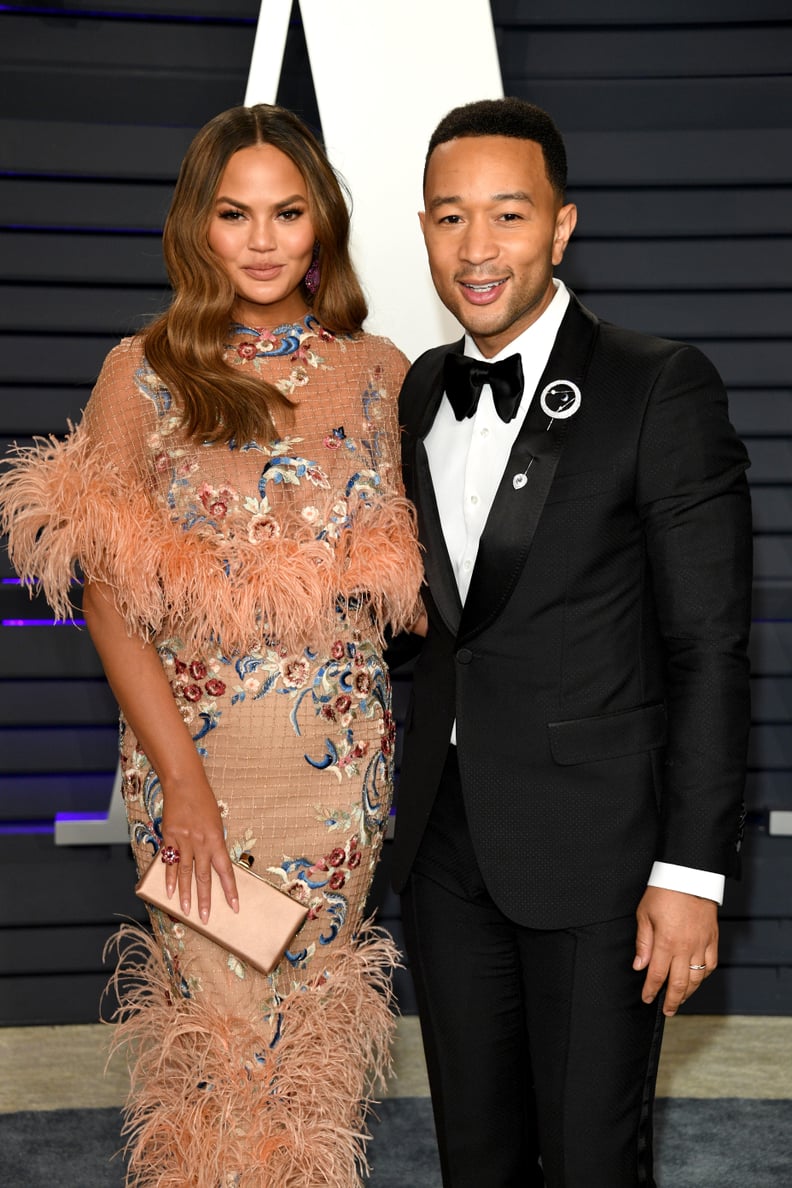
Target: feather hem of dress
217	1101
67	512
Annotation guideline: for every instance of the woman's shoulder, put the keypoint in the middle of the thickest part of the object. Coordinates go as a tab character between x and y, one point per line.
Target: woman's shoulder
381	350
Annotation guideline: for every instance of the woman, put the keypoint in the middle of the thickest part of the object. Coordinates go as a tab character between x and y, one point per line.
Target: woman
232	497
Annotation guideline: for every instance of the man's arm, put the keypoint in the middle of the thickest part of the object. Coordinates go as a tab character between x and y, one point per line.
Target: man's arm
695	506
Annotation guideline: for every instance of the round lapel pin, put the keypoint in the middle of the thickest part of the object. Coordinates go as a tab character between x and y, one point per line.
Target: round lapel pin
560	399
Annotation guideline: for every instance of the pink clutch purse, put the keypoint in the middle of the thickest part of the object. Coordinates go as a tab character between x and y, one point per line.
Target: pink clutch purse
258	934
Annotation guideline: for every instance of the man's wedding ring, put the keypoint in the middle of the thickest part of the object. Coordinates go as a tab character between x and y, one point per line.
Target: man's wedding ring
697	967
170	855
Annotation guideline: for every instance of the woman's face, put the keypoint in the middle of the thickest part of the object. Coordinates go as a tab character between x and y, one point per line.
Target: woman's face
262	234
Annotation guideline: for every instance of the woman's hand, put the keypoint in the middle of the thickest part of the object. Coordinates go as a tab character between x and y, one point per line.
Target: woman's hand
191	822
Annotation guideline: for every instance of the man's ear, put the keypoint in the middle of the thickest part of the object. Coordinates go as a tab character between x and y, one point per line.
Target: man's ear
422	221
566	220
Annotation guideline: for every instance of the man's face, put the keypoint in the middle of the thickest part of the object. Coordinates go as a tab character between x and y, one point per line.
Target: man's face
494	227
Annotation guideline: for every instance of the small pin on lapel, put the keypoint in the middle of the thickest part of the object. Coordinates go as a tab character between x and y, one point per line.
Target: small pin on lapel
519	481
560	399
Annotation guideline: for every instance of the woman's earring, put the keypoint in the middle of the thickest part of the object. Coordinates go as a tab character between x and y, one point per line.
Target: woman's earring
313	274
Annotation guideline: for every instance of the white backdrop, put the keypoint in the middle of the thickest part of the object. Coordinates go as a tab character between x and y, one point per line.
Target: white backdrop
384	75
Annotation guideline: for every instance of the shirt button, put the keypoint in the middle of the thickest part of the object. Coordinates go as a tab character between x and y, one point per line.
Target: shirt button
474	498
484	432
467	566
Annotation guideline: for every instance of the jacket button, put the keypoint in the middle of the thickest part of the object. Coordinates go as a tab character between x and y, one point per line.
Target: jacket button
464	656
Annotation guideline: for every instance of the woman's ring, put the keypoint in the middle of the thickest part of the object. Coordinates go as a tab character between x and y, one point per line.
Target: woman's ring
170	855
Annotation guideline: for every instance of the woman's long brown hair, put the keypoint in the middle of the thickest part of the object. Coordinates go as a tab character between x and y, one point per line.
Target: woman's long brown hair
185	345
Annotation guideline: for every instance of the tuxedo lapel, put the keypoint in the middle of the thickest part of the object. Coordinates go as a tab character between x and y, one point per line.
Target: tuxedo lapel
511	524
421	396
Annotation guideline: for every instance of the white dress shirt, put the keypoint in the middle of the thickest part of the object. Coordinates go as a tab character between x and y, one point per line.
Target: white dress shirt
466	461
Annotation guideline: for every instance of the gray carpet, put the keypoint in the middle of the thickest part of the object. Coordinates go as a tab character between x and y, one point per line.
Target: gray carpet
716	1143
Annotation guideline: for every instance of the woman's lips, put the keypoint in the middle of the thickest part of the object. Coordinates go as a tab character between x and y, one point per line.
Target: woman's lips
263	273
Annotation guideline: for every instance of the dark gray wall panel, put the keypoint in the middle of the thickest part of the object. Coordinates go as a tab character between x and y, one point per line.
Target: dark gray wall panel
771	460
672	212
771	648
638	102
52	748
773	557
541	13
109	309
771	748
697	316
48	359
75	149
711	157
761	412
771	699
139	206
679	265
51	652
96	259
71	703
612	54
30	410
772	509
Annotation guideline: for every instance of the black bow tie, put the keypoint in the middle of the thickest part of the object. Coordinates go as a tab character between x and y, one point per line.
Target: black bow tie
465	377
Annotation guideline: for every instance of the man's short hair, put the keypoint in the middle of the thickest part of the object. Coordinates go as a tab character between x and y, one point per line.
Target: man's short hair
506	117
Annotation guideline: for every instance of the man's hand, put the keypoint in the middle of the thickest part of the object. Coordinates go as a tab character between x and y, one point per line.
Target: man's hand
676	932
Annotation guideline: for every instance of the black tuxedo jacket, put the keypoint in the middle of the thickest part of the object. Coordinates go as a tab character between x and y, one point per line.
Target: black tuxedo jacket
597	672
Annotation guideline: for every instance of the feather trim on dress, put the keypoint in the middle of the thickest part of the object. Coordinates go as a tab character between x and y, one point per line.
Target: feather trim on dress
221	1100
67	509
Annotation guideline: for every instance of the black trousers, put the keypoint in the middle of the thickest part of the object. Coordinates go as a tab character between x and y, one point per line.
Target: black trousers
541	1056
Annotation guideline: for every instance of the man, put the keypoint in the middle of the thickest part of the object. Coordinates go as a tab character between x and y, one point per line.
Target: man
586	524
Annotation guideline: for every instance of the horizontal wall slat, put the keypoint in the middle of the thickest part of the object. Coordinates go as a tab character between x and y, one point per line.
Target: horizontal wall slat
755	942
48	202
33	410
172	9
773	557
771	460
53	357
695	315
49	147
82	259
771	649
42	951
640	102
771	748
56	703
683	210
772	509
16	603
627	12
109	309
178	48
678	265
40	796
129	94
29	652
713	51
771	699
765	790
772	600
58	748
757	411
673	157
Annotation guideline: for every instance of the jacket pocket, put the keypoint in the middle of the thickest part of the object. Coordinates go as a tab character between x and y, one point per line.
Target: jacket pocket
608	736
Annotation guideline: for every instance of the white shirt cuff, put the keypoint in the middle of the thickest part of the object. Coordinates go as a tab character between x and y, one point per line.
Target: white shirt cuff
703	883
